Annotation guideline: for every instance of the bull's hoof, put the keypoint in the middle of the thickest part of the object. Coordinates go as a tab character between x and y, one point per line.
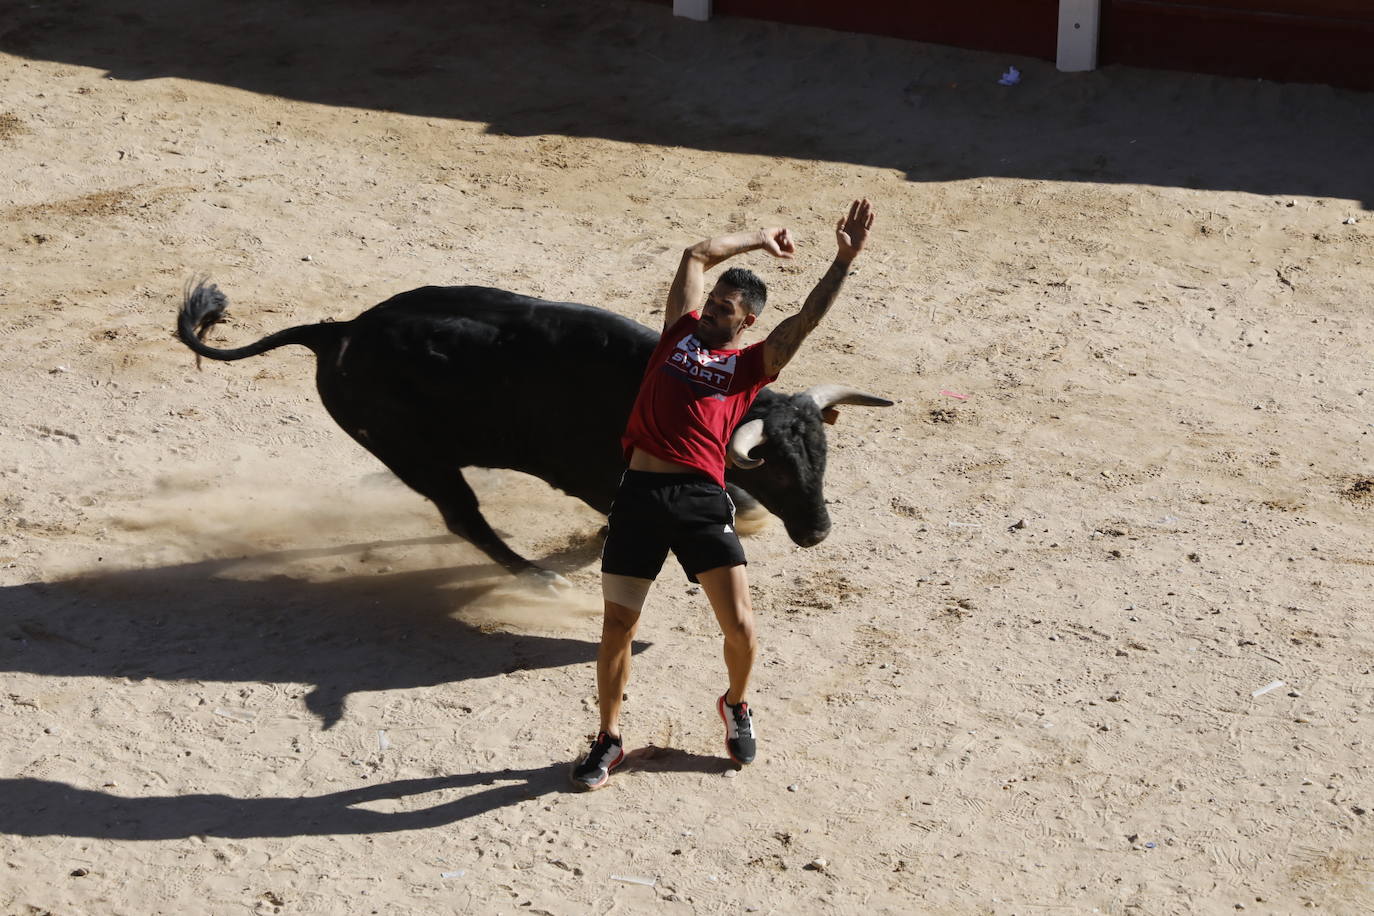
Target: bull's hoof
749	522
538	579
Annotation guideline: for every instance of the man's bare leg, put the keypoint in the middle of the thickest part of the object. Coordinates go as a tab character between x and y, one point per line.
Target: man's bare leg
618	626
727	588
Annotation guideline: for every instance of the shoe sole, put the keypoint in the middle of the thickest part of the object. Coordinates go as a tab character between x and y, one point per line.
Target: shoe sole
720	708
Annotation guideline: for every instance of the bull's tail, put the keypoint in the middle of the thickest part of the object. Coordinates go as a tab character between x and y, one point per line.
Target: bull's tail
203	306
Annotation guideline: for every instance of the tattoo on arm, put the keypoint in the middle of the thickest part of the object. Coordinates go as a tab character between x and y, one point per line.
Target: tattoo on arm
786	339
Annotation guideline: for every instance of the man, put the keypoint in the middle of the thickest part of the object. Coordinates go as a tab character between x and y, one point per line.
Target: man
698	385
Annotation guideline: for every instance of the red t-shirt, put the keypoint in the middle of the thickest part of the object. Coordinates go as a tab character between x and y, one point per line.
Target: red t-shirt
692	398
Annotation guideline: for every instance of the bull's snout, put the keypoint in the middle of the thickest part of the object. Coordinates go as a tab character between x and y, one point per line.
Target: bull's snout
812	536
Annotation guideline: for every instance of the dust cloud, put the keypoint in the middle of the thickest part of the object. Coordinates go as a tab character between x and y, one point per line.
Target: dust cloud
321	531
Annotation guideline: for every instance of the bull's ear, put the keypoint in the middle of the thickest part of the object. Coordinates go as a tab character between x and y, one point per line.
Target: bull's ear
830	415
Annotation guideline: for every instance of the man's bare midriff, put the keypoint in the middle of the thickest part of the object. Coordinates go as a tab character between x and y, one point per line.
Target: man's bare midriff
641	460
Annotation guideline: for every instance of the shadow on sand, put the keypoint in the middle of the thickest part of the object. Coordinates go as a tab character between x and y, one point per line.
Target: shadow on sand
38	807
626	70
197	621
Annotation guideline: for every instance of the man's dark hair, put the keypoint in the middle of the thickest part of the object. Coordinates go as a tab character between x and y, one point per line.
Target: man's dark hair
748	283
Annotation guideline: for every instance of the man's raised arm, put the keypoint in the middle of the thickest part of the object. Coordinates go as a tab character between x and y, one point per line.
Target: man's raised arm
690	284
851	233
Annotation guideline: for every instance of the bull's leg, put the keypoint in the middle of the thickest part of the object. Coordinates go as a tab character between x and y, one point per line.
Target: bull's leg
458	505
744	502
750	515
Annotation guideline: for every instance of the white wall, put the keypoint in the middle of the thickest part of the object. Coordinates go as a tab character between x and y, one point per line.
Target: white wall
699	10
1078	34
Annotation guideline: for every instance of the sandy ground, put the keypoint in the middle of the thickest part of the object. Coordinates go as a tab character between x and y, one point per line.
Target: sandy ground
245	672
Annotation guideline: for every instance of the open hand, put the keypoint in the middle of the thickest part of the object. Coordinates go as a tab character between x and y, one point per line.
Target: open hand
851	232
778	243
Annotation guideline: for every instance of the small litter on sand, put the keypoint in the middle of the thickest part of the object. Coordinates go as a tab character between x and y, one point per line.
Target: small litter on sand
954	394
238	715
1272	685
631	879
453	874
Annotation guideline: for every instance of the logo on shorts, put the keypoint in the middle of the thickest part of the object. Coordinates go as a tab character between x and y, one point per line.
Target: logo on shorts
729	530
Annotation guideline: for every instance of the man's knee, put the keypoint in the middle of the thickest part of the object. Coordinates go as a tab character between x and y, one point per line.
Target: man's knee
739	628
624	598
620	620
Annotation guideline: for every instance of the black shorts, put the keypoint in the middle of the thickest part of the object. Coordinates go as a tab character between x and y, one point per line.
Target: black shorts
653	513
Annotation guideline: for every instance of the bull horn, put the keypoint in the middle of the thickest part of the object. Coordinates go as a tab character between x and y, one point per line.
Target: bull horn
747	437
833	395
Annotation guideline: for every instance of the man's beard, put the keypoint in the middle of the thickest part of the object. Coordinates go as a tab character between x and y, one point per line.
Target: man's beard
713	335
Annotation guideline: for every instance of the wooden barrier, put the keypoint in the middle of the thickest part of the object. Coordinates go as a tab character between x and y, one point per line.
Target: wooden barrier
1320	41
1323	41
1027	27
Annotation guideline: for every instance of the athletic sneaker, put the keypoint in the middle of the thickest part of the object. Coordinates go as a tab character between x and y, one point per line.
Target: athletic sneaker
739	730
606	754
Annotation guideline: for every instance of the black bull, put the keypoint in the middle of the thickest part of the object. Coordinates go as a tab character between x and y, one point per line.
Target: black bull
441	378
